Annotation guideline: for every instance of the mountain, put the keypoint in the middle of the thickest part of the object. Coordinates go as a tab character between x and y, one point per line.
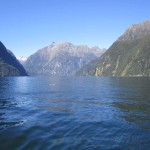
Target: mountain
22	59
9	66
62	59
136	31
88	69
128	56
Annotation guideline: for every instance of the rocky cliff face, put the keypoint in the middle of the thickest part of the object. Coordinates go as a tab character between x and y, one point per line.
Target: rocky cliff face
9	66
63	59
128	56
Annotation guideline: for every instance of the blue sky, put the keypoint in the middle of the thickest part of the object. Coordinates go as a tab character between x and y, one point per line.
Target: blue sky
28	25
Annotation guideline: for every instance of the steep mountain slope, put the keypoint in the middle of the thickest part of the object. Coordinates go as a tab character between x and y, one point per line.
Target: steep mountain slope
88	69
128	56
9	66
136	31
62	59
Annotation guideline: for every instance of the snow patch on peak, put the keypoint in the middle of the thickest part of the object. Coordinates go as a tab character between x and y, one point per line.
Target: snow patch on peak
22	59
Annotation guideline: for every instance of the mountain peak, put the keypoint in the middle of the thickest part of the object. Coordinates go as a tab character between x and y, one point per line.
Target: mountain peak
62	44
61	59
22	59
128	56
136	31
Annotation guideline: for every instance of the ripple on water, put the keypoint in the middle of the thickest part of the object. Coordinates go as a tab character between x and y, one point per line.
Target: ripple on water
79	113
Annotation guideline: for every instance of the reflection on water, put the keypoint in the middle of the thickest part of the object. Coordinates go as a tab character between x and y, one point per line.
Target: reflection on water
138	113
74	113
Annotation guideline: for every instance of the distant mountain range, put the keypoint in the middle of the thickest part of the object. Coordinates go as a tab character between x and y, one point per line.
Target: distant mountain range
22	59
128	56
9	65
62	59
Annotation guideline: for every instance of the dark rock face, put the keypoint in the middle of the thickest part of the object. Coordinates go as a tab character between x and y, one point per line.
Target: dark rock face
63	59
128	56
9	66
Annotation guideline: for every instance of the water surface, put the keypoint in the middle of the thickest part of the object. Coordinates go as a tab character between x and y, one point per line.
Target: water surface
74	113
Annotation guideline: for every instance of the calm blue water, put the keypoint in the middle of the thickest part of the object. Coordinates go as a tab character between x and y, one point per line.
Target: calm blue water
74	113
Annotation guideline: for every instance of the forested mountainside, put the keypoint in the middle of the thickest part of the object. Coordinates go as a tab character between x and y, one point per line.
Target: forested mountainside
128	56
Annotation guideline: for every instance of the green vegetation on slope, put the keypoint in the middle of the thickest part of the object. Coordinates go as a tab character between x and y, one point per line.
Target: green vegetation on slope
126	58
6	69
